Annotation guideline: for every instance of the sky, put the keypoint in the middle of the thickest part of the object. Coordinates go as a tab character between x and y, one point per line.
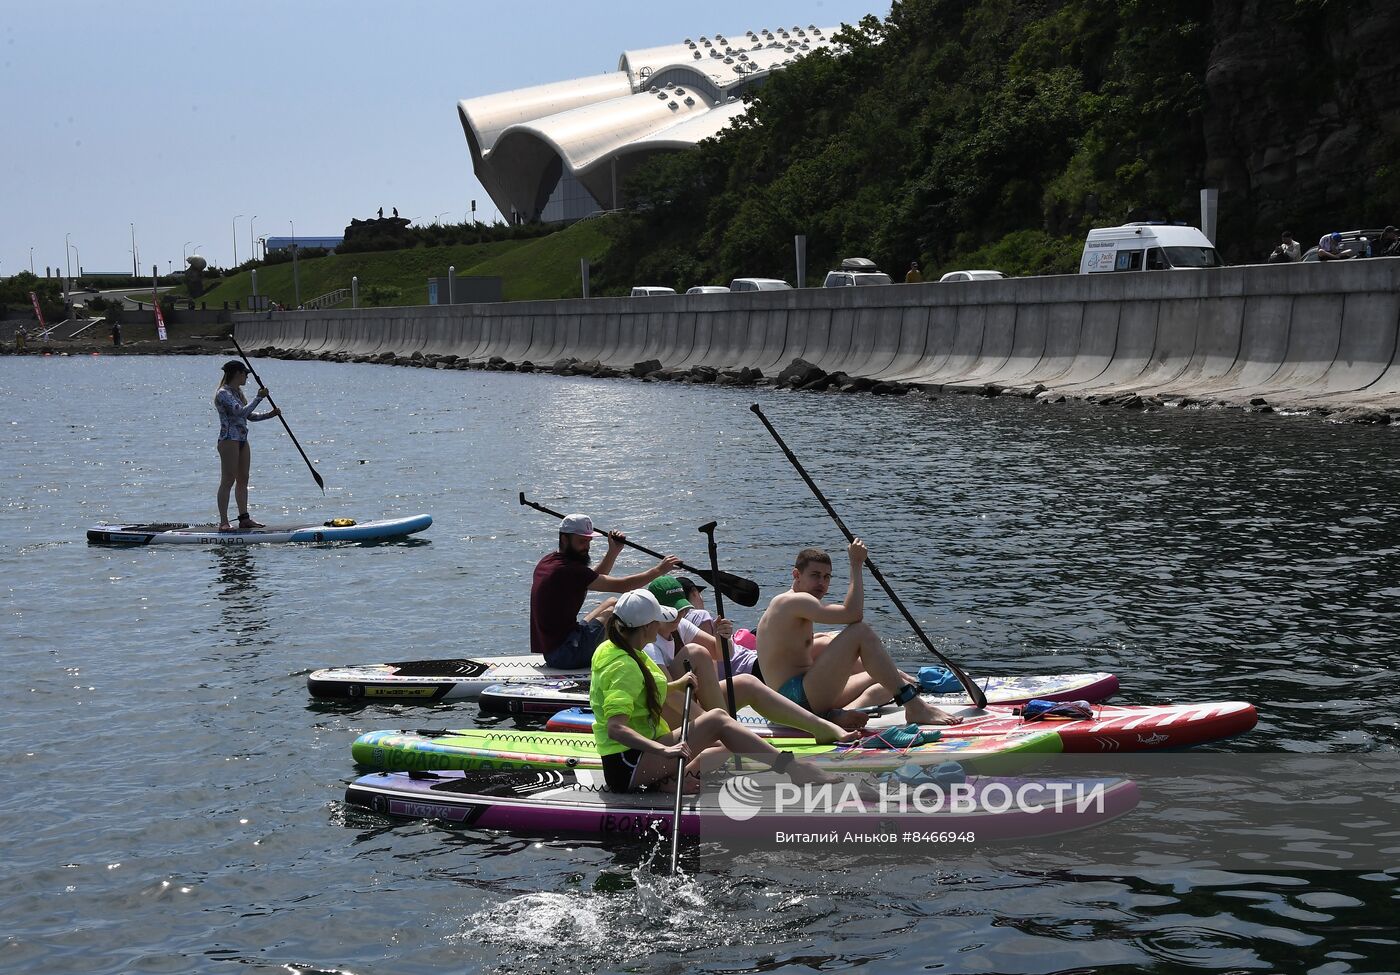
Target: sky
181	122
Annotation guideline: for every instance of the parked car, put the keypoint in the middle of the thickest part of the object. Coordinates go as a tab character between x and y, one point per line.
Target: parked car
650	291
855	272
759	284
708	289
955	276
1356	241
1147	247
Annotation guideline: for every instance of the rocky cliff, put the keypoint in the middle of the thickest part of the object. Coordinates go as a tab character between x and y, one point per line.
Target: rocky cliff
1302	118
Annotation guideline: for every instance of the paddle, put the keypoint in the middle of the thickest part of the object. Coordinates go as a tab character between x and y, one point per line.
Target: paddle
680	778
973	691
708	530
258	379
742	591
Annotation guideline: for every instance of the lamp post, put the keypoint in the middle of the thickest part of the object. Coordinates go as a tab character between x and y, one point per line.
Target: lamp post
185	251
296	272
31	260
438	219
252	241
235	240
68	264
133	250
78	255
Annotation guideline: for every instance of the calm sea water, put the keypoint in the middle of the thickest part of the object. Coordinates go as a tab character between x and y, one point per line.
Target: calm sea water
172	797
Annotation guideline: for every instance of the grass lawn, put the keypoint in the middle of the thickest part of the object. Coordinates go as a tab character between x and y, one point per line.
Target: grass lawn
544	267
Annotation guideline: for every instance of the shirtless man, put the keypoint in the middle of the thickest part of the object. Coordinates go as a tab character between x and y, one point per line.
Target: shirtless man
826	671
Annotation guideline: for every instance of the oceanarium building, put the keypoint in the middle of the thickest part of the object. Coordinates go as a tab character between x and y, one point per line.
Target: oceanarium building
564	150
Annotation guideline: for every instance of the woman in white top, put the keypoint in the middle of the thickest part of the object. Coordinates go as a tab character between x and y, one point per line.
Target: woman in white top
679	641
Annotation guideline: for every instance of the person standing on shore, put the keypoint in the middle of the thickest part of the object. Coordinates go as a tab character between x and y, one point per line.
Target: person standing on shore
234	456
1288	250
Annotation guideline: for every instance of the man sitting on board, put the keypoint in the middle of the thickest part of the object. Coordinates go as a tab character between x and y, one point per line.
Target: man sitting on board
563	580
826	671
679	643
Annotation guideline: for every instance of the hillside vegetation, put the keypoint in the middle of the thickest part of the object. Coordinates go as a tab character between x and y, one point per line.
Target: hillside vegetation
543	267
994	133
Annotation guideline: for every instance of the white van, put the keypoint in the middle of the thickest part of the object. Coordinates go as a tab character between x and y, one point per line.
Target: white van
650	291
759	284
1147	247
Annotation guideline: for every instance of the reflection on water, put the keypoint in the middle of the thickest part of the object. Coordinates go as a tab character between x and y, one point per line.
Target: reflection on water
241	604
174	796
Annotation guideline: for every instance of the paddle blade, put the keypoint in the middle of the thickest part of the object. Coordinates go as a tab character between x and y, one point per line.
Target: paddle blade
742	591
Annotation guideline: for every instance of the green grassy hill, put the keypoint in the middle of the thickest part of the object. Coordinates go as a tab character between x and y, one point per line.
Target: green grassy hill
545	267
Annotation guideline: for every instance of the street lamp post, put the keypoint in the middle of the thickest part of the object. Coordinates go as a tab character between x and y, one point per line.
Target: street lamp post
67	263
235	240
133	250
31	260
185	251
296	271
252	241
438	219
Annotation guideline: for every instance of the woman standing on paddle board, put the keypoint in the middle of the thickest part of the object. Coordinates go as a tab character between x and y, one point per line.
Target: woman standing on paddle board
629	695
234	457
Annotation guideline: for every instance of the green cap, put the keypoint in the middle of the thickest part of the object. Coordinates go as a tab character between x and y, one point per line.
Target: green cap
668	592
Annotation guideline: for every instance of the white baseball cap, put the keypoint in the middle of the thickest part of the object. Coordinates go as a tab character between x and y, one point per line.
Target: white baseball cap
578	525
639	607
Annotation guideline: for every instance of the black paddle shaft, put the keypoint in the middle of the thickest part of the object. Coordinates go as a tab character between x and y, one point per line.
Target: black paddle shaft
680	779
974	692
258	379
708	530
742	591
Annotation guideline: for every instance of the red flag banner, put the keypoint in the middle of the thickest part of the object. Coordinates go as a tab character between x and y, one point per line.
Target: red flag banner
37	312
160	322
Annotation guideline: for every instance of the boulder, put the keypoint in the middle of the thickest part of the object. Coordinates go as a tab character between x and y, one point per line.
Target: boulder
1363	416
645	367
799	373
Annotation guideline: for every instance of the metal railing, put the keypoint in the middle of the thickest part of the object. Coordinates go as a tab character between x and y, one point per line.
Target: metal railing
95	321
328	300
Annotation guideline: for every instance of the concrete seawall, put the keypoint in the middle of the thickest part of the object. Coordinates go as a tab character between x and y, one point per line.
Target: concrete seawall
1320	336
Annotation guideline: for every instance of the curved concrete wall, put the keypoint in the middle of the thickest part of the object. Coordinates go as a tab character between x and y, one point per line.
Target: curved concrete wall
1305	335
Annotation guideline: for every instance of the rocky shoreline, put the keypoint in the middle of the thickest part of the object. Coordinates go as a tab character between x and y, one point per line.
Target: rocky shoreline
799	375
803	376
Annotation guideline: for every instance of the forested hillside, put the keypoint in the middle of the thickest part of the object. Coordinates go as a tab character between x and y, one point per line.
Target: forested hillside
993	133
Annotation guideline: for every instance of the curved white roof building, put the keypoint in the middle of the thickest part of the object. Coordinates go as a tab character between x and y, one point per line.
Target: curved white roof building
563	150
